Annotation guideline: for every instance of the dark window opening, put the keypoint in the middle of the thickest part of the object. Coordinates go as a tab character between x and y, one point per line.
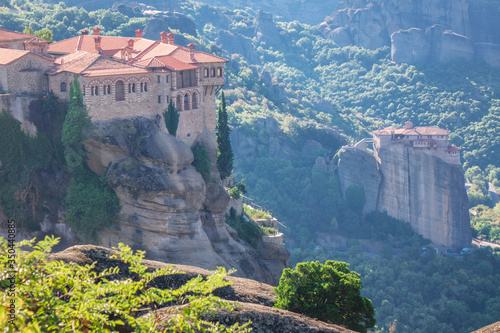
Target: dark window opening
63	86
119	90
207	72
219	71
159	99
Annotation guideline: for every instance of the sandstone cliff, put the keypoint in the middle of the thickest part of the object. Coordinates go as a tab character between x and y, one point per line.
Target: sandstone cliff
414	187
423	30
167	208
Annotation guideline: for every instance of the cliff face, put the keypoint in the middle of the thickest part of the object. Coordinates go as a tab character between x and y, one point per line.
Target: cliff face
466	29
414	187
167	208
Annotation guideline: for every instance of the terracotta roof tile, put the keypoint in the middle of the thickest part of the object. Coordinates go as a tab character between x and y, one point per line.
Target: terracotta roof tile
89	64
183	54
6	35
412	131
7	56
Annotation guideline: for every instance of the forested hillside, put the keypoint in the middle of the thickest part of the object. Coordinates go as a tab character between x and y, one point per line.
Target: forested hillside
293	99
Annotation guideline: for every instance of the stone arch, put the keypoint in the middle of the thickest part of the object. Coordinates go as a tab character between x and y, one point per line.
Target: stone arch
187	101
119	90
195	100
178	102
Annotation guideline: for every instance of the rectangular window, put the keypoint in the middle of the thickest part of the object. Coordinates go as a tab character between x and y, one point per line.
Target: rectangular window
158	77
206	72
213	72
168	99
166	78
219	71
142	87
145	86
159	99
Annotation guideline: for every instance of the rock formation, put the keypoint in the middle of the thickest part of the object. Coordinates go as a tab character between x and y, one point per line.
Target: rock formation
255	299
167	208
414	187
463	27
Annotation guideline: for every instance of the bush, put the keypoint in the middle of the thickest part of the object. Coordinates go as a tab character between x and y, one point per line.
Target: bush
249	231
202	162
55	296
329	292
171	117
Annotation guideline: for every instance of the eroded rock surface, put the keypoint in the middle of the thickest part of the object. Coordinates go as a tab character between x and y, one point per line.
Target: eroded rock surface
377	23
414	187
167	208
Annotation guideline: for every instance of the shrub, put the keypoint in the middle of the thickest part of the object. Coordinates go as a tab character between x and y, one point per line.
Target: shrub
202	162
329	292
55	296
249	231
171	117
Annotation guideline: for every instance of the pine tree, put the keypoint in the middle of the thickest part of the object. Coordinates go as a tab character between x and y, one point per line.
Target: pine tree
171	117
224	150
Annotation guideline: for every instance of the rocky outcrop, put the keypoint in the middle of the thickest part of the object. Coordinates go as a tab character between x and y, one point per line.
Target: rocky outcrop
463	26
255	299
167	208
165	21
236	43
414	187
266	30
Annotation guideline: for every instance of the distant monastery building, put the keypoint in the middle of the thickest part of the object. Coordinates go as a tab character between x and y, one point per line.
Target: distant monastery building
119	76
430	140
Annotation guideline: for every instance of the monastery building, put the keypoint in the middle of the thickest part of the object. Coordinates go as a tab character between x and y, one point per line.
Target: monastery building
119	76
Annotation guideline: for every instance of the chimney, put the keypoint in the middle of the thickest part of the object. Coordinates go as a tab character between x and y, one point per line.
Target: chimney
408	125
138	33
85	32
131	43
191	51
97	41
96	31
163	35
171	38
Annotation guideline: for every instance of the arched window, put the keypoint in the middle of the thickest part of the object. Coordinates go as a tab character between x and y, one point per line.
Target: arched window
178	103
119	91
63	86
145	86
186	102
96	90
219	71
133	87
213	72
83	90
195	100
142	87
109	89
207	72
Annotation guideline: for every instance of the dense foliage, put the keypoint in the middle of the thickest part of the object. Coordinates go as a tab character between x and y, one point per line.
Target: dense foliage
248	230
329	292
55	296
202	162
22	157
224	149
91	203
171	118
421	290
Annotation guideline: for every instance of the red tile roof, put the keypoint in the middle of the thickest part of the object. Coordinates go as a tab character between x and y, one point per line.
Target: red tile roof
411	131
89	64
8	56
6	35
172	56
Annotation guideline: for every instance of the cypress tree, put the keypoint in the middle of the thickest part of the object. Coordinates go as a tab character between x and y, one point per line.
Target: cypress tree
224	150
171	117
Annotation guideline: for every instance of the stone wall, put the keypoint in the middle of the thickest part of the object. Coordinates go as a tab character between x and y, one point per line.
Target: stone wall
25	76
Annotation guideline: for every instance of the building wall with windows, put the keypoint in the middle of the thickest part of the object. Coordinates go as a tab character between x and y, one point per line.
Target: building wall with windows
25	75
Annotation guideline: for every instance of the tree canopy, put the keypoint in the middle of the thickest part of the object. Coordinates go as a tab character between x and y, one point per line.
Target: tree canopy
224	150
329	292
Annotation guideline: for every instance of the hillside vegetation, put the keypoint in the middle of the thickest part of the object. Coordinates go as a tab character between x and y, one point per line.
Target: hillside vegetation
313	88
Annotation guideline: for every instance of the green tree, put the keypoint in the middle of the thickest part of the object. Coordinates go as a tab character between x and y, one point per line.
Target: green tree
44	33
91	203
76	121
202	162
57	296
329	292
224	150
171	117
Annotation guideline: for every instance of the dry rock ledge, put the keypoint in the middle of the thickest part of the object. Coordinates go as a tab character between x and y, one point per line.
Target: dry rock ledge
254	298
